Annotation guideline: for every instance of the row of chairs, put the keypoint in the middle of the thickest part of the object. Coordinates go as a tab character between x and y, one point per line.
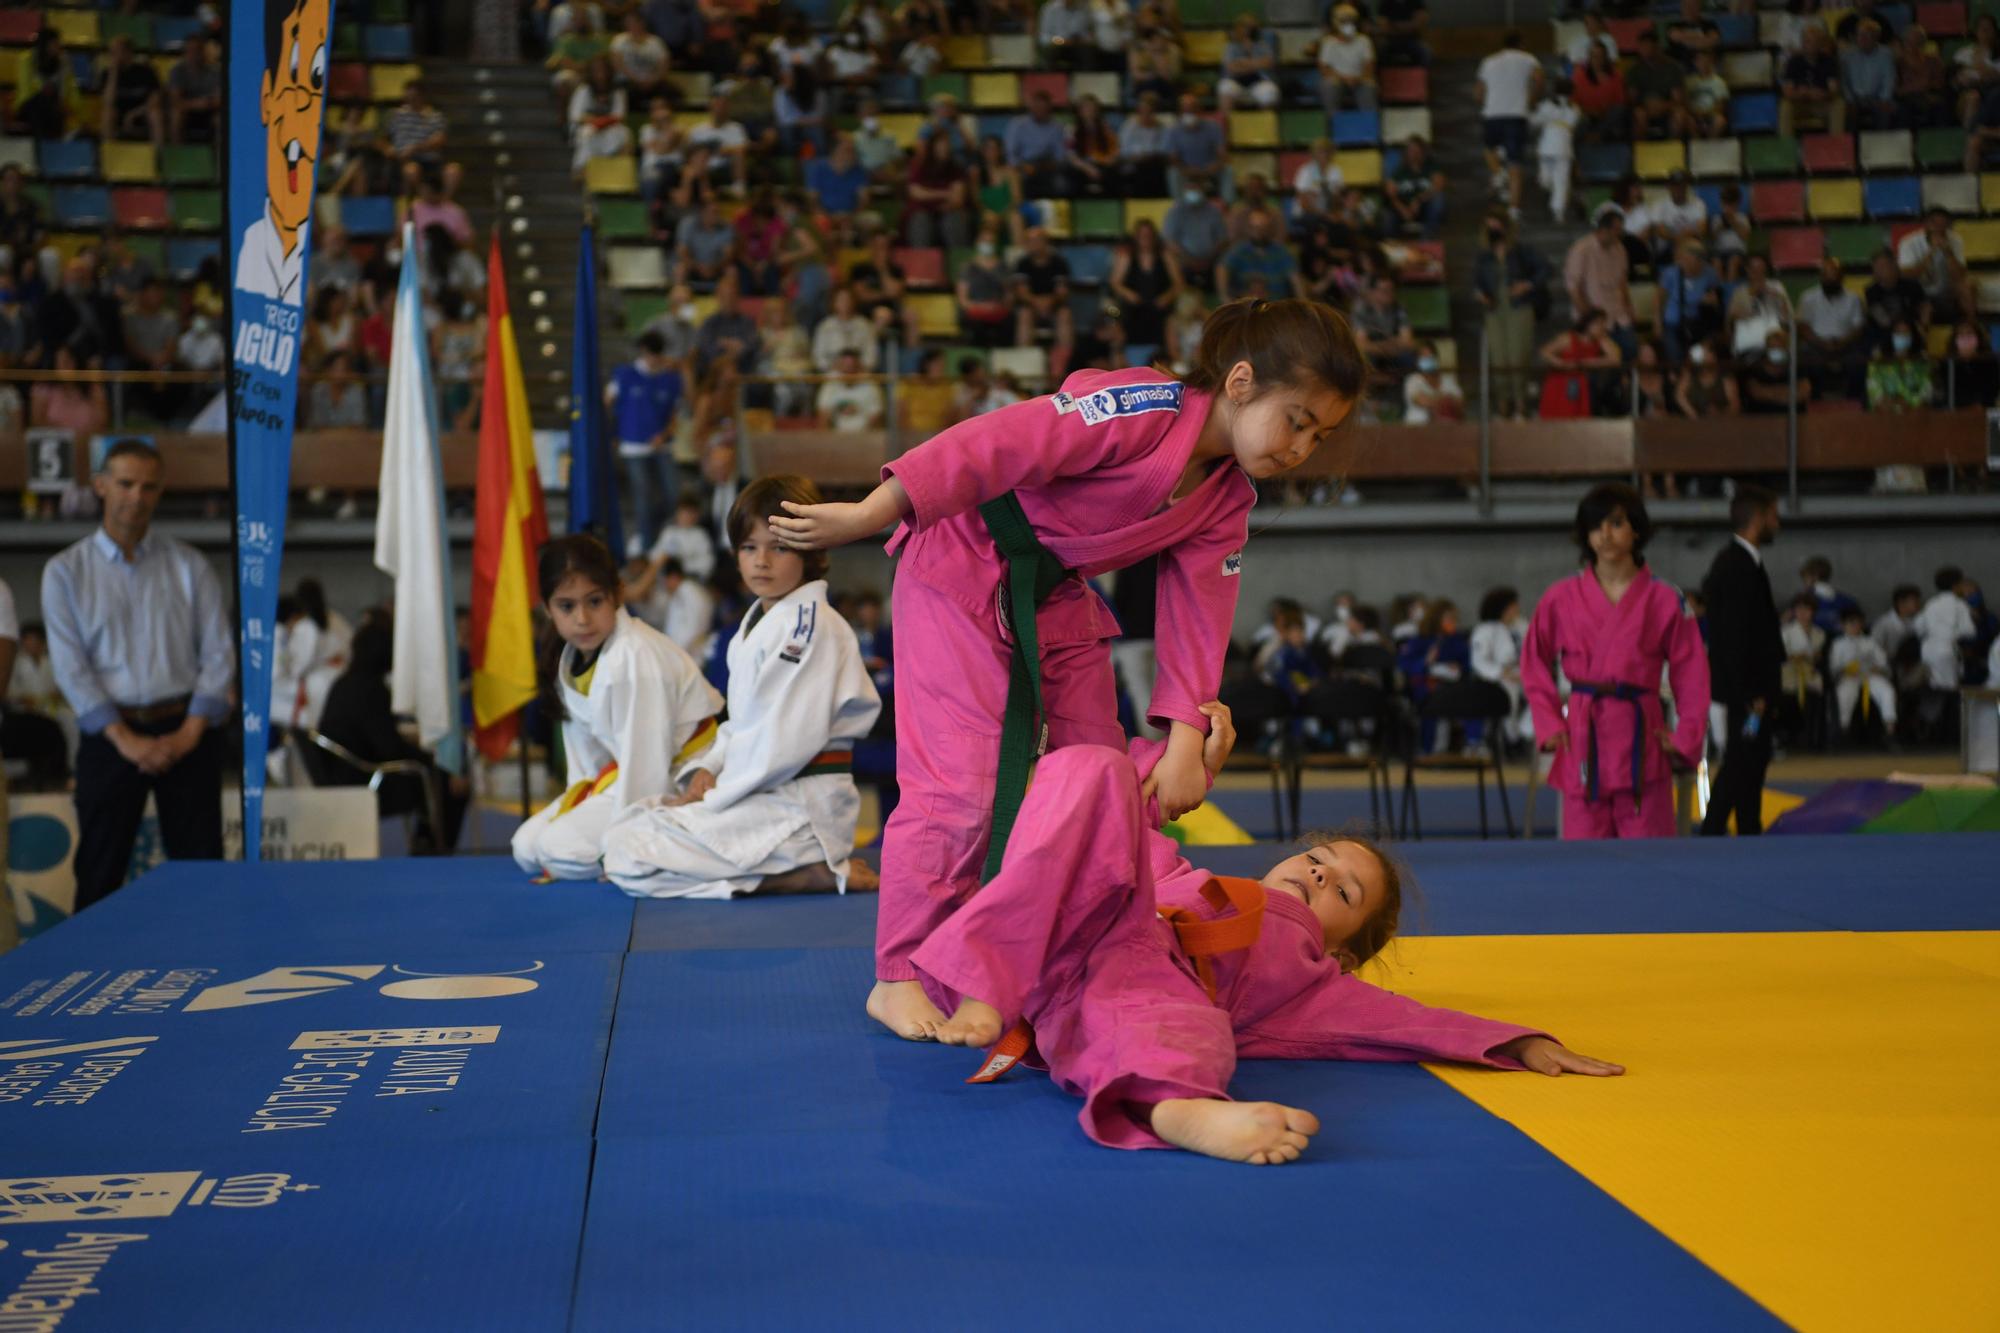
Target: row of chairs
1835	200
1746	32
1868	153
119	163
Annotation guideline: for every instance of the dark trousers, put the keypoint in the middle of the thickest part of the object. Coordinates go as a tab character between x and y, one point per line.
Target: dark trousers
111	799
1739	788
38	740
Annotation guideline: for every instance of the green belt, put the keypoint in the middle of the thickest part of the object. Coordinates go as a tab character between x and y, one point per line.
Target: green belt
1032	574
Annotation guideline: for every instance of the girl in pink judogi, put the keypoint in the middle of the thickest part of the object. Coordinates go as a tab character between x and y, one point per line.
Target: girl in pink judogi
1140	980
1611	628
1014	510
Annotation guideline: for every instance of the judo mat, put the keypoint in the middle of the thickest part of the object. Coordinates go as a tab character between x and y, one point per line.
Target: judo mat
428	1094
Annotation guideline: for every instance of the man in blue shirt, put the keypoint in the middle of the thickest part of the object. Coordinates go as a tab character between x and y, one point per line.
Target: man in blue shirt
1259	259
1868	79
1690	300
643	396
839	180
1196	150
1037	147
143	653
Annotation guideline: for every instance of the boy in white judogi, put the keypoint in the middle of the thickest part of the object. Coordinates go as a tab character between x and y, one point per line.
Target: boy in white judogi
1859	665
1945	619
1557	117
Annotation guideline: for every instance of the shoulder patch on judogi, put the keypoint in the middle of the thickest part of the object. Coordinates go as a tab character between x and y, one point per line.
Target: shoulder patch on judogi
1127	400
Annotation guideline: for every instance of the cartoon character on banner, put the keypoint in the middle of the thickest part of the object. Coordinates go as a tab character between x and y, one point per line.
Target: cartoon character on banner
272	261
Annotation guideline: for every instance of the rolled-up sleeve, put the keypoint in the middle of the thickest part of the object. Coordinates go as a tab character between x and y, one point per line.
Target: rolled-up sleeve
70	654
215	647
1199	581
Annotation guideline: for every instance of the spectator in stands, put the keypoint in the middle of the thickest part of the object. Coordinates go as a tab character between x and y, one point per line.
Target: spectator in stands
1768	383
1196	232
194	93
1692	33
1863	13
1831	324
134	105
1934	255
876	150
999	190
1555	119
17	336
704	247
201	347
662	150
643	397
1415	193
1063	32
1319	176
1091	148
1681	216
332	328
458	356
152	338
81	409
1254	196
1430	393
1586	346
1599	85
1509	82
124	270
935	198
1729	229
881	292
1260	264
728	336
1972	378
47	101
727	141
801	109
1111	29
1402	26
1249	66
1153	65
596	117
1704	389
1346	63
851	61
845	329
333	264
1382	327
639	57
786	356
924	400
1758	308
1509	280
1690	299
1594	34
1041	294
1899	374
1976	68
560	20
338	399
760	235
1196	147
1141	168
1657	84
847	402
794	47
1707	97
1653	392
73	315
974	394
985	307
839	185
1922	82
20	218
1893	297
1809	89
921	27
1868	79
415	130
1597	273
944	122
1145	282
1036	148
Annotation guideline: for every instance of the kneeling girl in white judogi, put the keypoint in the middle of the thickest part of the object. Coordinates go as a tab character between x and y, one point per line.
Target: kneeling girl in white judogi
632	705
771	804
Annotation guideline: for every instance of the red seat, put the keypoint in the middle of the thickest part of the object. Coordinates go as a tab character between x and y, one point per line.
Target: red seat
19	26
1797	247
922	268
1056	85
1828	153
1902	229
1288	167
1404	84
1778	201
1942	20
1627	32
347	82
141	208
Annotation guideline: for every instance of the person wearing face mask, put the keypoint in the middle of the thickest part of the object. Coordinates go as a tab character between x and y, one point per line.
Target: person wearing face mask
1704	389
1142	150
1198	151
1973	378
1346	63
1431	392
1249	67
1197	233
1899	376
1831	324
1511	282
984	309
1758	309
877	151
1767	382
849	60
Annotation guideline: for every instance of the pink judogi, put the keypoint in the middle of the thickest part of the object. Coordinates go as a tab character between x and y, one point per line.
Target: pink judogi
1094	482
1069	936
1612	656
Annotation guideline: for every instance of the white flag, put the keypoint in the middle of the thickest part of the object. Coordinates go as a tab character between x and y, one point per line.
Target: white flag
410	542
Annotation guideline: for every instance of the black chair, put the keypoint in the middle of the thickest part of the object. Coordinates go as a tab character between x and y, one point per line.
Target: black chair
1340	704
1459	702
1376	661
308	745
1259	711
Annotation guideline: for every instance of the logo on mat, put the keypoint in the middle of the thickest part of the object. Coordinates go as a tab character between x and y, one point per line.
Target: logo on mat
289	983
26	1199
31	1049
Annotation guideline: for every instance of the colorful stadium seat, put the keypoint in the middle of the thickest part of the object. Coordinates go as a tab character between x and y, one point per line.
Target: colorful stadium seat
82	206
186	255
386	82
187	164
171	32
1778	201
137	28
1828	154
1941	149
18	28
141	208
131	162
1146	210
1204	48
638	266
1855	245
1797	247
937	313
1747	70
1626	33
1259	129
1404	85
1024	363
1886	150
611	175
1088	264
1604	163
1352	127
623	220
1303	127
372	215
78	27
922	268
1982	240
1771	156
1053	82
1955	193
965	51
1827	199
388	41
347	82
1655	161
18	153
1360	167
1753	113
1716	157
996	91
1010	50
1892	197
1097	217
1943	20
67	159
197	210
1429	308
1107	88
1400	124
1738	31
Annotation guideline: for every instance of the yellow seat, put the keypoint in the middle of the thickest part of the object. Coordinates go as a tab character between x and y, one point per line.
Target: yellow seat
1245	165
1253	129
689	121
69	244
902	126
130	162
386	82
611	175
163	65
1989	192
1360	166
937	313
78	27
1982	240
1654	161
1204	48
965	51
1055	217
1645	303
996	92
1938	340
1149	210
1833	199
846	258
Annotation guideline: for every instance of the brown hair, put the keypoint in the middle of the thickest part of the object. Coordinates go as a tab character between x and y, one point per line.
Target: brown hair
1434	616
1380	928
1292	342
578	553
766	496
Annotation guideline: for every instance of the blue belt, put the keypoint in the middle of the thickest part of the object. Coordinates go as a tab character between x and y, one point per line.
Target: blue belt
1624	693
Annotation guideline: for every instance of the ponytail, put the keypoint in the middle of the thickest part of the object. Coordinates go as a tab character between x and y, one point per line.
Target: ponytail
1291	342
578	553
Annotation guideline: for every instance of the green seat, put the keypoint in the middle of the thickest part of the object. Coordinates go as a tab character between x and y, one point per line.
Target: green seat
1429	308
196	210
1301	127
347	42
1097	217
622	220
954	84
187	164
1855	246
152	250
954	355
1772	156
1941	149
1796	285
1204	13
642	308
954	260
138	27
1594	198
390	11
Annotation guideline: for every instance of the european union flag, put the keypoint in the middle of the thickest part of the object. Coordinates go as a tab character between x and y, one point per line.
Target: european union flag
593	479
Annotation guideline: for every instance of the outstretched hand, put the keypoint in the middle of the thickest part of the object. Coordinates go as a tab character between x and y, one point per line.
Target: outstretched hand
1545	1056
1221	737
817	527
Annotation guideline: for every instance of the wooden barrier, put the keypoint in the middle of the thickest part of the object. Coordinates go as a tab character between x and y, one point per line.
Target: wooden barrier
339	460
844	460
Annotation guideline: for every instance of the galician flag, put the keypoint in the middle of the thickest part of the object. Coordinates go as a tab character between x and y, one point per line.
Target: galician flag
509	532
410	542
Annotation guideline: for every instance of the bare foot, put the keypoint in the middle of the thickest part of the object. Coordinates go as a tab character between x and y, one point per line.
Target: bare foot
806	879
976	1023
1260	1133
904	1009
861	877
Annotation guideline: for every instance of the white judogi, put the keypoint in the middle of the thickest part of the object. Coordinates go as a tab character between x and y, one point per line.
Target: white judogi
1858	662
1802	645
1890	630
797	688
1496	651
306	660
1944	620
645	701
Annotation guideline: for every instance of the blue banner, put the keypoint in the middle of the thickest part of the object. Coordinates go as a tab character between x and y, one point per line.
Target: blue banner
593	486
279	53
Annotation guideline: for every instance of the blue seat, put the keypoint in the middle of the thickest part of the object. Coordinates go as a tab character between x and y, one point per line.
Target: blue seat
186	255
1140	355
1739	31
388	41
993	124
67	159
1604	163
1084	308
1993	336
1088	263
82	68
1753	113
170	33
1392	162
1892	196
1898	17
1357	127
910	360
1710	195
899	90
373	215
81	206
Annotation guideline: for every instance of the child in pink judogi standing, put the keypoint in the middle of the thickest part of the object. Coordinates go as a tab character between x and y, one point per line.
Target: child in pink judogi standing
1144	979
1016	509
1611	628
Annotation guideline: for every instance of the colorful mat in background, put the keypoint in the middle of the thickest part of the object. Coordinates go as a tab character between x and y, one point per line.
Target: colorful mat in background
1881	806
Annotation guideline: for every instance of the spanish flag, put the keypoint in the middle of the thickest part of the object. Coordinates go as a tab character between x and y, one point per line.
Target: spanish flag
510	529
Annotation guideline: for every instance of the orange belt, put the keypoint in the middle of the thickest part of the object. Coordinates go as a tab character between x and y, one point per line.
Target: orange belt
1201	939
582	791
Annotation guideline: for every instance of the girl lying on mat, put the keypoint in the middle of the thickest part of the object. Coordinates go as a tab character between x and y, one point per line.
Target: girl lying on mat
1137	980
629	701
771	805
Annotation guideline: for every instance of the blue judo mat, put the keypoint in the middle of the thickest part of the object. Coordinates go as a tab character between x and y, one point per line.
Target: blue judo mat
428	1094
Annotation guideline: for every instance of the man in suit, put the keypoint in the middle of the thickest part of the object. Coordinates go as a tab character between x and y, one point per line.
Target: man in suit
1745	654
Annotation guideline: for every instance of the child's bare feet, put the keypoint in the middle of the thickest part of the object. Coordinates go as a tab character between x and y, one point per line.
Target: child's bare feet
1260	1133
861	877
904	1009
815	878
976	1023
